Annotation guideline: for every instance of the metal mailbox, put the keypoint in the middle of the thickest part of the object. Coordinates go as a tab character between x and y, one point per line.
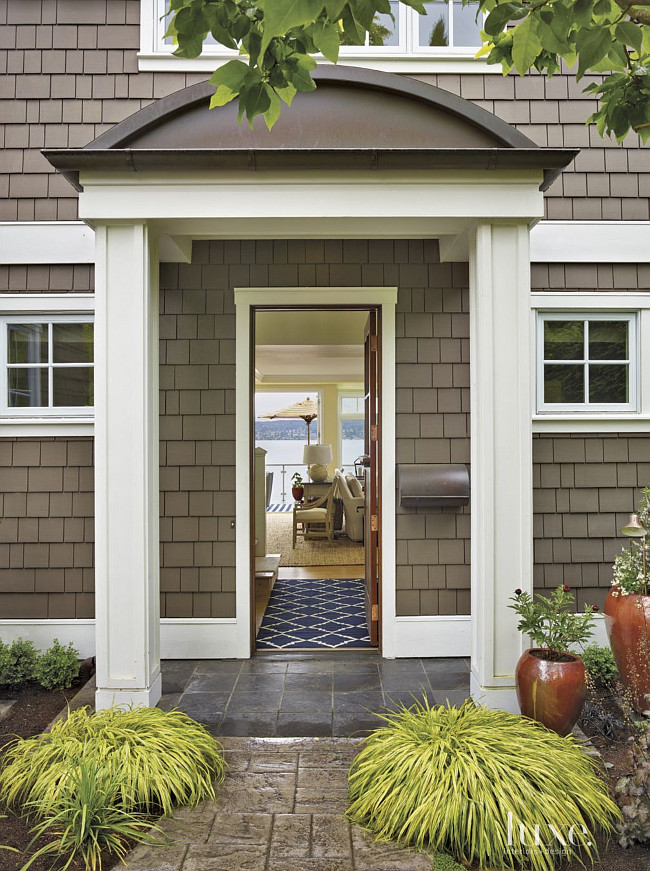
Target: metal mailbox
432	485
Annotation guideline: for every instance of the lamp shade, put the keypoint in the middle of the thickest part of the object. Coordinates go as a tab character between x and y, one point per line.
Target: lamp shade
321	454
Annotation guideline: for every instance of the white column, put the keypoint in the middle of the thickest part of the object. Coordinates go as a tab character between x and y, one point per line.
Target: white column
127	606
501	453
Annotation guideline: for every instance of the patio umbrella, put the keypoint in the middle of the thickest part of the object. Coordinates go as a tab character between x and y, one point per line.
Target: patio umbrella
306	409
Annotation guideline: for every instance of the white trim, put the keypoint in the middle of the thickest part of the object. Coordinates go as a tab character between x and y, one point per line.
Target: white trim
44	242
591	301
47	303
29	242
386	297
567	423
80	633
208	638
433	636
41	427
590	242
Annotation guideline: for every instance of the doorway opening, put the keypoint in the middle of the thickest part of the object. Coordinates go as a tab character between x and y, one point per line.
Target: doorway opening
315	457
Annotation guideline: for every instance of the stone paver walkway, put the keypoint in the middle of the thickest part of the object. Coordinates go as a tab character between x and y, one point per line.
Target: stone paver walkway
280	809
315	695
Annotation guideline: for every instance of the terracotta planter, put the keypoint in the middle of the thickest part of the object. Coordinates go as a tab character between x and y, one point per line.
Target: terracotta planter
298	493
627	619
552	693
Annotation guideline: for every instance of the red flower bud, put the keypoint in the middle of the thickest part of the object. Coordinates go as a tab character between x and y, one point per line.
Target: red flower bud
518	592
566	588
595	608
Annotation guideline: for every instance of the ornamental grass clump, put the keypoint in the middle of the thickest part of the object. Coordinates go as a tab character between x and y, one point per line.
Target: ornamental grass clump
484	786
159	760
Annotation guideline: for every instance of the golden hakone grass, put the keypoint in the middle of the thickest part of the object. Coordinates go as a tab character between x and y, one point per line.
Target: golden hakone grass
158	759
447	778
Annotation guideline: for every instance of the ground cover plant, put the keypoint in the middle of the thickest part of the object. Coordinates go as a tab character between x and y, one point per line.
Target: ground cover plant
464	781
633	791
92	784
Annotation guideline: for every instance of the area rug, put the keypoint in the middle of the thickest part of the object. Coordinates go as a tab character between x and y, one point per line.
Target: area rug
340	552
280	508
315	614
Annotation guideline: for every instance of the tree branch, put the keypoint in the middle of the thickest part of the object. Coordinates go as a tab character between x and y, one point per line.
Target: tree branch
631	7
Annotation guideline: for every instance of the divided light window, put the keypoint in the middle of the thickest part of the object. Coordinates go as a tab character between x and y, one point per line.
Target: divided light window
445	27
587	362
47	366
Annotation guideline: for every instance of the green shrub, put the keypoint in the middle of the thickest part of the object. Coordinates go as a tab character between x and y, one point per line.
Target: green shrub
633	792
57	667
87	819
600	665
161	759
444	862
17	663
461	780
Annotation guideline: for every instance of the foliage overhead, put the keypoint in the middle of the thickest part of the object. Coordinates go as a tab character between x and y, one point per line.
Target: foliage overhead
460	780
277	41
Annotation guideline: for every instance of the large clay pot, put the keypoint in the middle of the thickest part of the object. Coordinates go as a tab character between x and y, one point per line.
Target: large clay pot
627	619
552	693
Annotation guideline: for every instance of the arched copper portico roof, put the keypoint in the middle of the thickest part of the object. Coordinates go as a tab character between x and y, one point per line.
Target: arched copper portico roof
356	119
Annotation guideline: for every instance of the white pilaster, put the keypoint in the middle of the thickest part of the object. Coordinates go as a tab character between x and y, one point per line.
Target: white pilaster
501	453
126	467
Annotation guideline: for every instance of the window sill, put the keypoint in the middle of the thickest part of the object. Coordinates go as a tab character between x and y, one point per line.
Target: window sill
462	63
550	423
30	427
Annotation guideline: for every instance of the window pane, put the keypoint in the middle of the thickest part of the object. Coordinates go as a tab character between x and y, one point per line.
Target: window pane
564	340
351	442
608	384
385	30
608	340
28	388
351	405
72	343
434	26
564	384
73	386
27	343
467	30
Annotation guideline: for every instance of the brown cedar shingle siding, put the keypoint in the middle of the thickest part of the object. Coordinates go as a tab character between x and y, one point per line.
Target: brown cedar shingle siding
585	486
587	277
59	278
65	84
47	528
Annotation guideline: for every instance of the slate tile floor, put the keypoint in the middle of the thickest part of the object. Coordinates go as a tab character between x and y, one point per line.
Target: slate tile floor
306	695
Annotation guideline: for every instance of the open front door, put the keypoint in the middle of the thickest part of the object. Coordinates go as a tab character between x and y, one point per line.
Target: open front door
372	406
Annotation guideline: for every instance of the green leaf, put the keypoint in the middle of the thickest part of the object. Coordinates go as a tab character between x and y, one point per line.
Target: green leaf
525	46
257	101
501	15
281	15
629	34
228	81
326	39
273	112
592	46
417	5
286	94
333	8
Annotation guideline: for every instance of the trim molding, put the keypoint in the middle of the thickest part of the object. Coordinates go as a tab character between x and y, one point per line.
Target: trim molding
52	242
433	636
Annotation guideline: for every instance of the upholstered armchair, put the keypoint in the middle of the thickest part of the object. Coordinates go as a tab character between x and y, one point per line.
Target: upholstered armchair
354	502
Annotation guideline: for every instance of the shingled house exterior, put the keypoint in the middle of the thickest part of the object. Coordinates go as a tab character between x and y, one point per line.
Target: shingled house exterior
475	211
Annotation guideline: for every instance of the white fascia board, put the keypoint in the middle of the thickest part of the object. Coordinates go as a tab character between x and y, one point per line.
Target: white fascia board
28	242
348	197
598	300
433	636
47	303
590	242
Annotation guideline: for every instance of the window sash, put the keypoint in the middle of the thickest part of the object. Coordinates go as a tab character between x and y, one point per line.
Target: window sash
630	362
50	366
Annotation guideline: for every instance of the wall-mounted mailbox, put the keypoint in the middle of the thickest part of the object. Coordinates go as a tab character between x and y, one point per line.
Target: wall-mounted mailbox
433	485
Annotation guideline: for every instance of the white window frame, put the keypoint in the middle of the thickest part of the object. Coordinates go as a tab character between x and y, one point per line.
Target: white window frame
407	57
42	308
348	394
559	418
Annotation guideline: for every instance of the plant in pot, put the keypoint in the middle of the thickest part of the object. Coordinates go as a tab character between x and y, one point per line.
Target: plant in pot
297	489
627	609
550	681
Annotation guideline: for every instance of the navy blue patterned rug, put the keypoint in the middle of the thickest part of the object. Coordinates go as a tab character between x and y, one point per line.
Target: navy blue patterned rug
316	614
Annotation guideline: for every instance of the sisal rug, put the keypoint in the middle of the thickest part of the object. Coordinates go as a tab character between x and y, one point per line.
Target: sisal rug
340	552
315	614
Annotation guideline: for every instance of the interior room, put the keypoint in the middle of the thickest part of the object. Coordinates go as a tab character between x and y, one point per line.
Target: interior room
309	431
